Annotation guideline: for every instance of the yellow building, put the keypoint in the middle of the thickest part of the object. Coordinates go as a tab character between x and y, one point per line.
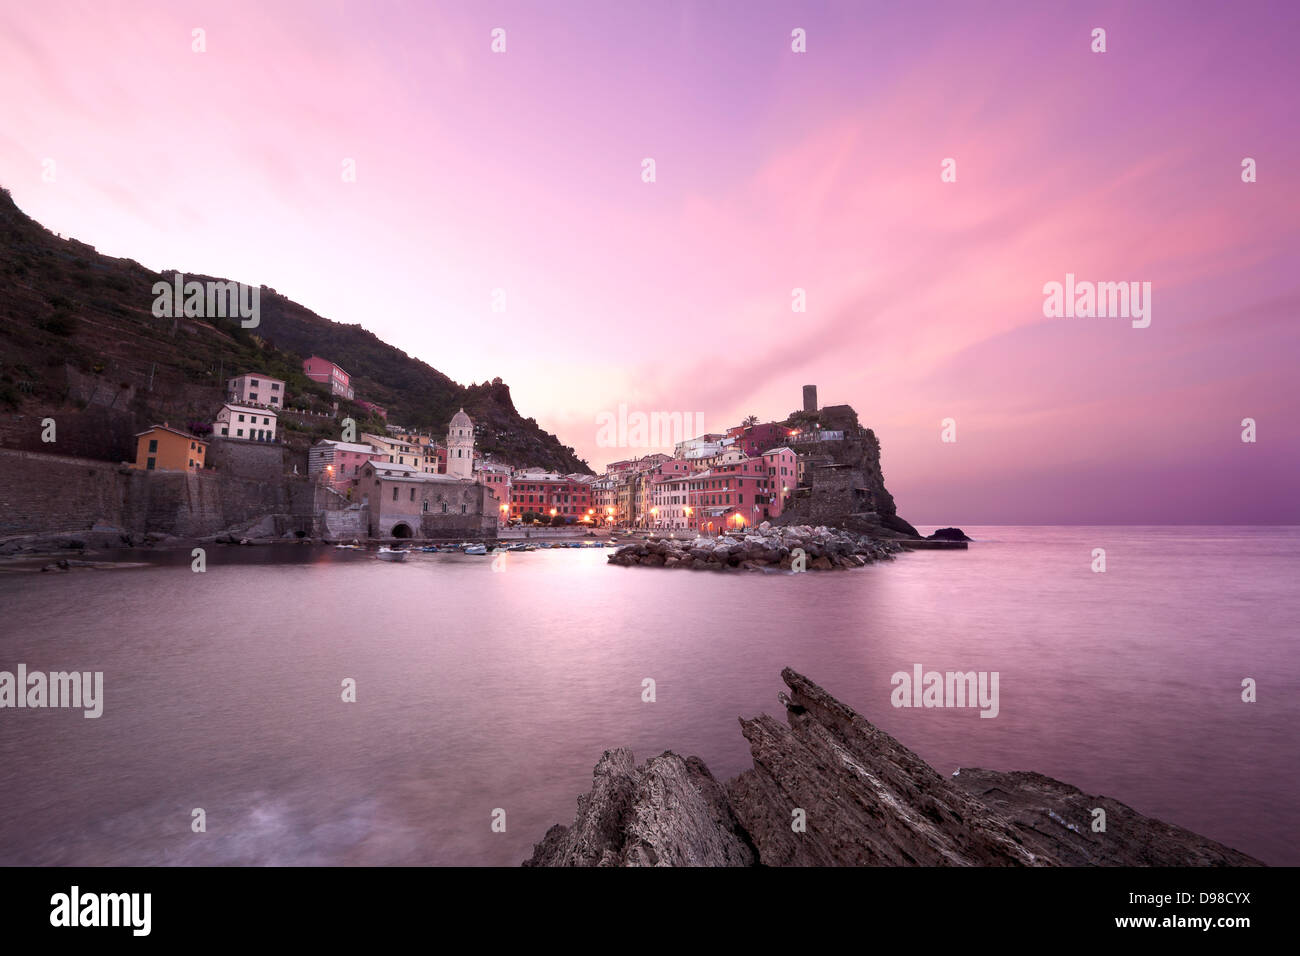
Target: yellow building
163	448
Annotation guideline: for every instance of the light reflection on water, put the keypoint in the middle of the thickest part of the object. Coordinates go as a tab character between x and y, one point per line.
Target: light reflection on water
480	689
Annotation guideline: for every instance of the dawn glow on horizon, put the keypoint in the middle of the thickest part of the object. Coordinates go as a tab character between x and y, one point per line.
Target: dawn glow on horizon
819	171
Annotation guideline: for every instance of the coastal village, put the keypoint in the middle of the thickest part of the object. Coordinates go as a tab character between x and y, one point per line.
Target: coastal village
410	484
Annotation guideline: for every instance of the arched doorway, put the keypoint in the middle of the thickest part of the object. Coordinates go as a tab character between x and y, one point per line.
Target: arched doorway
402	531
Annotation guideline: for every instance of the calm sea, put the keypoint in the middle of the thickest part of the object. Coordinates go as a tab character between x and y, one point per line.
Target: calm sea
480	690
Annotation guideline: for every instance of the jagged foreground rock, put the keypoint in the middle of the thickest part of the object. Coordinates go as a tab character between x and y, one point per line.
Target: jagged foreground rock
867	799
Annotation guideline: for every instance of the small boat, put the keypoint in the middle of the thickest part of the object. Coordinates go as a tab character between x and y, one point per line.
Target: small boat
429	549
348	547
388	554
476	549
544	544
522	547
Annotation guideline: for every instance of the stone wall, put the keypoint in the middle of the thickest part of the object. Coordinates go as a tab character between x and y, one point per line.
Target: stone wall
458	526
345	525
43	492
264	461
48	493
196	504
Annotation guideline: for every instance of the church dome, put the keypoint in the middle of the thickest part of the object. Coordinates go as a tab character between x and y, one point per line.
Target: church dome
461	420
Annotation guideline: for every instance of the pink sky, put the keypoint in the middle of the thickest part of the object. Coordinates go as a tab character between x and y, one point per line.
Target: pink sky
521	171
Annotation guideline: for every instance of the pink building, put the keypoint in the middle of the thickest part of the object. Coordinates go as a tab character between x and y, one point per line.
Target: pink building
756	439
783	470
496	477
327	373
733	496
340	461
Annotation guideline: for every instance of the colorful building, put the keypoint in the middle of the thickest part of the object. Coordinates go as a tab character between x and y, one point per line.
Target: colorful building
783	470
253	388
604	499
163	448
701	447
670	503
496	477
732	496
246	422
339	461
756	439
327	373
549	494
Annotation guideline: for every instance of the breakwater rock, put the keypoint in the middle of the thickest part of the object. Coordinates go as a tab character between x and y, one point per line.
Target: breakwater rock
865	799
764	548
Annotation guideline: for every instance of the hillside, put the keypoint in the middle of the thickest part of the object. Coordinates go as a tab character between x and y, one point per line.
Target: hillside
79	342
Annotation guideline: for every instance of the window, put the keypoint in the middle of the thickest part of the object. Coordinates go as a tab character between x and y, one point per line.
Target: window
153	445
266	421
444	507
252	396
191	462
225	431
412	494
394	493
149	466
191	446
462	509
275	387
239	433
253	382
241	418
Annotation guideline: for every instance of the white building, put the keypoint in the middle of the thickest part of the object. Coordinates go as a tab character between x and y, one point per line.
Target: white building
246	422
253	388
460	446
705	446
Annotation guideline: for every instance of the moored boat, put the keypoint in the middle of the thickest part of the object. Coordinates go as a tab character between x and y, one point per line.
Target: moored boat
389	554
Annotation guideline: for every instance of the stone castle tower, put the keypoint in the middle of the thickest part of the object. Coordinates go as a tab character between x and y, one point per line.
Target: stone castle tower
460	446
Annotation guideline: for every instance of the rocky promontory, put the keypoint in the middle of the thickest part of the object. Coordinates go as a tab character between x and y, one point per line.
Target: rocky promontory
949	534
763	549
864	799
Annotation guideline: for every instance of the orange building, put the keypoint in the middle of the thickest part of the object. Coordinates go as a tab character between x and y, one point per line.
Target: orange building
163	448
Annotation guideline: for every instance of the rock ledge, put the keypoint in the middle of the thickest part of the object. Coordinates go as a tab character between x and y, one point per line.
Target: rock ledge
867	801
